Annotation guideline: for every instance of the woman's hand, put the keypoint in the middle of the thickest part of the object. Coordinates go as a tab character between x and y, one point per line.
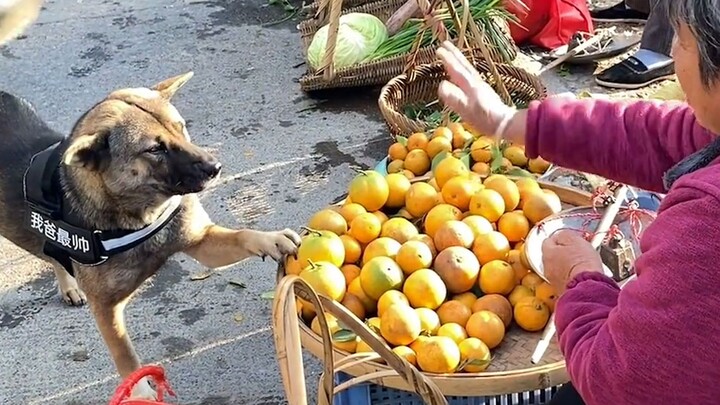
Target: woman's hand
470	97
566	254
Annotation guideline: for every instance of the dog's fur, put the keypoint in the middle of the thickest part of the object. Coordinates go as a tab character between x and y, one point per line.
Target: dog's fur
125	158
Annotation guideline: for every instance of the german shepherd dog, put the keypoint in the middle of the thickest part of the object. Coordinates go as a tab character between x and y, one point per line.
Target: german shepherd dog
123	162
126	160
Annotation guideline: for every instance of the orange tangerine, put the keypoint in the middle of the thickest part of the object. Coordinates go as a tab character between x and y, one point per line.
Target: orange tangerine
397	151
487	203
418	140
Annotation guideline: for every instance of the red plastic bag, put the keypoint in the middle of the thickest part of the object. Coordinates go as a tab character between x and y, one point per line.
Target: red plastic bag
549	23
156	373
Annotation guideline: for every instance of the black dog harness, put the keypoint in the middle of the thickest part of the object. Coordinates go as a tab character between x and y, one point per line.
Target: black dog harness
66	243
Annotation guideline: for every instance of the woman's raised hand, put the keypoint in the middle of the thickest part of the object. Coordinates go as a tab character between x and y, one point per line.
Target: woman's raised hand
469	96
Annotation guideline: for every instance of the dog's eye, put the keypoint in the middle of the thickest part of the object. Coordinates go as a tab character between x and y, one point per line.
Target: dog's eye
156	149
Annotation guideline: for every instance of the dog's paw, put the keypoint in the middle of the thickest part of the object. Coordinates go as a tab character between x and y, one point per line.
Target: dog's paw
73	296
279	244
69	290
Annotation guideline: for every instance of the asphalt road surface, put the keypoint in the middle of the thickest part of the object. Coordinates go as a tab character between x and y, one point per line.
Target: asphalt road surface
285	156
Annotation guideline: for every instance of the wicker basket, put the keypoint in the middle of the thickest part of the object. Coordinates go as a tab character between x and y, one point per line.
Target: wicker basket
421	86
510	372
377	72
316	10
288	338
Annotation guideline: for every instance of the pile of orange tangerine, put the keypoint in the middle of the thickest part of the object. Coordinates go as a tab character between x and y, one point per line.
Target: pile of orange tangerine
418	153
435	267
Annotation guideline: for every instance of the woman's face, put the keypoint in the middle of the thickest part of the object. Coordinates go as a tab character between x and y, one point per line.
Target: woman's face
705	102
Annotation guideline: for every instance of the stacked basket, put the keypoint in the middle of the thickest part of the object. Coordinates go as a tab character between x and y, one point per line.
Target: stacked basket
381	71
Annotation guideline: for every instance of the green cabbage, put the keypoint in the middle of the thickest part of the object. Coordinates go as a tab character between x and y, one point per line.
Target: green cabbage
359	35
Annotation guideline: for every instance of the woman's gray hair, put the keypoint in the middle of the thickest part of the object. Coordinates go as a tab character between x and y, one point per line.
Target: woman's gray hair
703	19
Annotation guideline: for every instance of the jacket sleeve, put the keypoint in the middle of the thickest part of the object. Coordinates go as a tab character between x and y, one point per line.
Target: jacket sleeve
657	339
633	142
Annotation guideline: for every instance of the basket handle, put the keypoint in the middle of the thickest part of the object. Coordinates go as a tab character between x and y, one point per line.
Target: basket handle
289	351
430	21
422	385
478	41
335	10
287	341
479	34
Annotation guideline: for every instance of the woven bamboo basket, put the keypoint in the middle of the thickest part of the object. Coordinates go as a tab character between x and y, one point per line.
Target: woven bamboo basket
379	72
420	85
288	337
510	371
317	11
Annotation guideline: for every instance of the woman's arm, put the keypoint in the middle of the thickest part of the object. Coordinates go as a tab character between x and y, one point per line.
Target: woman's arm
632	142
657	340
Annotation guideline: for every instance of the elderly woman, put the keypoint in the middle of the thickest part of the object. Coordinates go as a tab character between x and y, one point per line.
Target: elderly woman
658	339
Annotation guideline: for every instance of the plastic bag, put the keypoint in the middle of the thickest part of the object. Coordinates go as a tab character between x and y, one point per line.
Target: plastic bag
549	23
156	373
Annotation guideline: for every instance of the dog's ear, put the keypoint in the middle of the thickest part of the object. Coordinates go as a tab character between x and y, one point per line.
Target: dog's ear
87	151
169	87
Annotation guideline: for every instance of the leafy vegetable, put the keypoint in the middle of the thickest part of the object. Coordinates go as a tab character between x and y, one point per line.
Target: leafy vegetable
359	35
481	11
429	113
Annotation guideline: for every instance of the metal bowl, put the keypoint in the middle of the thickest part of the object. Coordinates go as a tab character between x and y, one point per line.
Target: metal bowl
581	219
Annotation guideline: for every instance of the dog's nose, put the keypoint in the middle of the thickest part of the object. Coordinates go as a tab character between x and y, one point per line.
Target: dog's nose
214	169
210	168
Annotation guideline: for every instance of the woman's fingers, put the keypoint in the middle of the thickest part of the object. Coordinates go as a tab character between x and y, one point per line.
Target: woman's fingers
462	60
457	73
462	72
453	97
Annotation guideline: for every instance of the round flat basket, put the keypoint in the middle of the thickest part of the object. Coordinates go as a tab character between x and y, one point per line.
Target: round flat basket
510	371
420	86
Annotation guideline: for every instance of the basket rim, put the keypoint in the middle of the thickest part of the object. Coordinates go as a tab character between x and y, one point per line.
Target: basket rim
397	61
421	71
545	373
482	375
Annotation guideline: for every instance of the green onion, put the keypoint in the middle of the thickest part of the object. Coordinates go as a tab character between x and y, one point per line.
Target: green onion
481	11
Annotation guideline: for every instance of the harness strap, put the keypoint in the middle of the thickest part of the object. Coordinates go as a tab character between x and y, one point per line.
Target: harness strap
64	241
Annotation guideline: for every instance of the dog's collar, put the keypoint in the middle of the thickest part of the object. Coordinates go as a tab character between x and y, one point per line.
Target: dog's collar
64	241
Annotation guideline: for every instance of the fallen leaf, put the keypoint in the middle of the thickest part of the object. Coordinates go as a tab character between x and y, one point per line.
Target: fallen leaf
270	295
237	283
200	276
80	355
669	90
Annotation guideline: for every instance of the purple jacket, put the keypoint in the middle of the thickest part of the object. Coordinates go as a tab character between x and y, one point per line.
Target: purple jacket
657	341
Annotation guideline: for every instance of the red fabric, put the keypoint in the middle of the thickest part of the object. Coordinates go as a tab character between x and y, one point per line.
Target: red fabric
156	373
549	23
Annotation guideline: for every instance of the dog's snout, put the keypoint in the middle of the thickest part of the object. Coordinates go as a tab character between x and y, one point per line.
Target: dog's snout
215	170
211	167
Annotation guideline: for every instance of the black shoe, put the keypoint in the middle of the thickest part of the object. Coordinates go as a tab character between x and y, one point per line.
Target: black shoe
618	13
632	74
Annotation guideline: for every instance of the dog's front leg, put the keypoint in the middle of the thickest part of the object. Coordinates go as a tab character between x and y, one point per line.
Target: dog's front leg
219	247
110	320
68	287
